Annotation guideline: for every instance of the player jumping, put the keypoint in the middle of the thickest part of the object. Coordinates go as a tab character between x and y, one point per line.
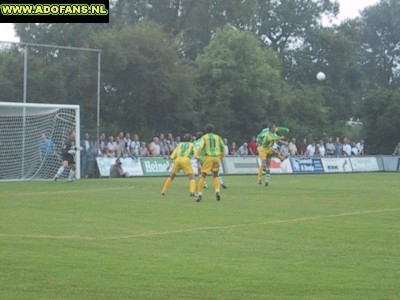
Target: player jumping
266	152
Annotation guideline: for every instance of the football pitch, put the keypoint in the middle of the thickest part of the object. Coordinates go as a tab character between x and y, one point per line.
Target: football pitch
304	237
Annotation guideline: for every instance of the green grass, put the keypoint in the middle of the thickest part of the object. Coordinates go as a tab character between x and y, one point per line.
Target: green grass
305	237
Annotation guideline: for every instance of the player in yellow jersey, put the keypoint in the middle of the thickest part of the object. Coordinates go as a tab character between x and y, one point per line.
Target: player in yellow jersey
211	148
181	157
267	151
196	144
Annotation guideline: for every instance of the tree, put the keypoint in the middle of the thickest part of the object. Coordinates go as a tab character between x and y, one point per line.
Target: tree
335	53
146	87
45	81
240	83
192	22
11	75
63	34
306	114
58	75
380	51
380	115
282	22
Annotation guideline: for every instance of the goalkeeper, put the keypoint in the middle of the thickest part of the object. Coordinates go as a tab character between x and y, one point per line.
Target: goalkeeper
268	137
68	156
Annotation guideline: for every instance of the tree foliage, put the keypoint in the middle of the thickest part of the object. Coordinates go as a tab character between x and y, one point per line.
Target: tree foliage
177	64
11	75
282	22
380	114
306	114
58	75
380	50
240	83
145	85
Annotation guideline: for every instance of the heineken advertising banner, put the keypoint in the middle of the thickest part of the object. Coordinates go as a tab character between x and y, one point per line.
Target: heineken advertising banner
155	166
158	166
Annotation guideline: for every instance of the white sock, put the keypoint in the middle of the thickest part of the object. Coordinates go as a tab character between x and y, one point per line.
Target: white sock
71	175
60	171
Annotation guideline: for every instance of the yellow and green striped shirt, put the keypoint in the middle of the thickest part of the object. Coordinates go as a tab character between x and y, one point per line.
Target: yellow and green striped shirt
269	139
211	145
184	149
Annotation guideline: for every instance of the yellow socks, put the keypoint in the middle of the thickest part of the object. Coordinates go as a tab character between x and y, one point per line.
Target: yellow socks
167	184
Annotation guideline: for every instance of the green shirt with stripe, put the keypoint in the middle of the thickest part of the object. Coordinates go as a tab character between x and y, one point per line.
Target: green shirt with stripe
210	145
262	134
269	139
184	149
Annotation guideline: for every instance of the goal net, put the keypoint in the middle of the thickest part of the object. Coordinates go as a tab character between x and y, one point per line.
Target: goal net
31	139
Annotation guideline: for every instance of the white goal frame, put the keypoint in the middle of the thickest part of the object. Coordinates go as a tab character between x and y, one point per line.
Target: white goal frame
23	111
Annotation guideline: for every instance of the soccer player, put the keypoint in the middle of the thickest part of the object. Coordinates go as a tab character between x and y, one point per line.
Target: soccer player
68	156
181	157
267	151
261	135
212	149
196	144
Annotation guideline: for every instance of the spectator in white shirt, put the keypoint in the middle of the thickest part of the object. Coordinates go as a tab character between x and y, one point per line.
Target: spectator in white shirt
321	148
346	147
310	149
354	149
243	150
360	147
111	147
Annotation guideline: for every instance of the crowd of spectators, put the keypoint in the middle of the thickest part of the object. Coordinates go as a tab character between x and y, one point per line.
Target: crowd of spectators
125	145
333	147
337	147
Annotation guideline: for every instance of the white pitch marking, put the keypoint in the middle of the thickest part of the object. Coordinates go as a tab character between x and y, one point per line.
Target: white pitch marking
159	233
72	191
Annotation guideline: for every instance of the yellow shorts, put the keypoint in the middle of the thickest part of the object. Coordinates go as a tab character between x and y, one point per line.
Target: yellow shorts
211	164
182	163
264	153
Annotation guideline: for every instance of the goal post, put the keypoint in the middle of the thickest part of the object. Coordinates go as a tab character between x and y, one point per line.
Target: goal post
31	139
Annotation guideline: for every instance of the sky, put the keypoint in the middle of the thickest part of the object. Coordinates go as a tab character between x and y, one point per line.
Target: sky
348	9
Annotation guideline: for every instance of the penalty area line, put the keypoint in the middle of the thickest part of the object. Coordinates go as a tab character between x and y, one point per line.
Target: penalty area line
190	230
